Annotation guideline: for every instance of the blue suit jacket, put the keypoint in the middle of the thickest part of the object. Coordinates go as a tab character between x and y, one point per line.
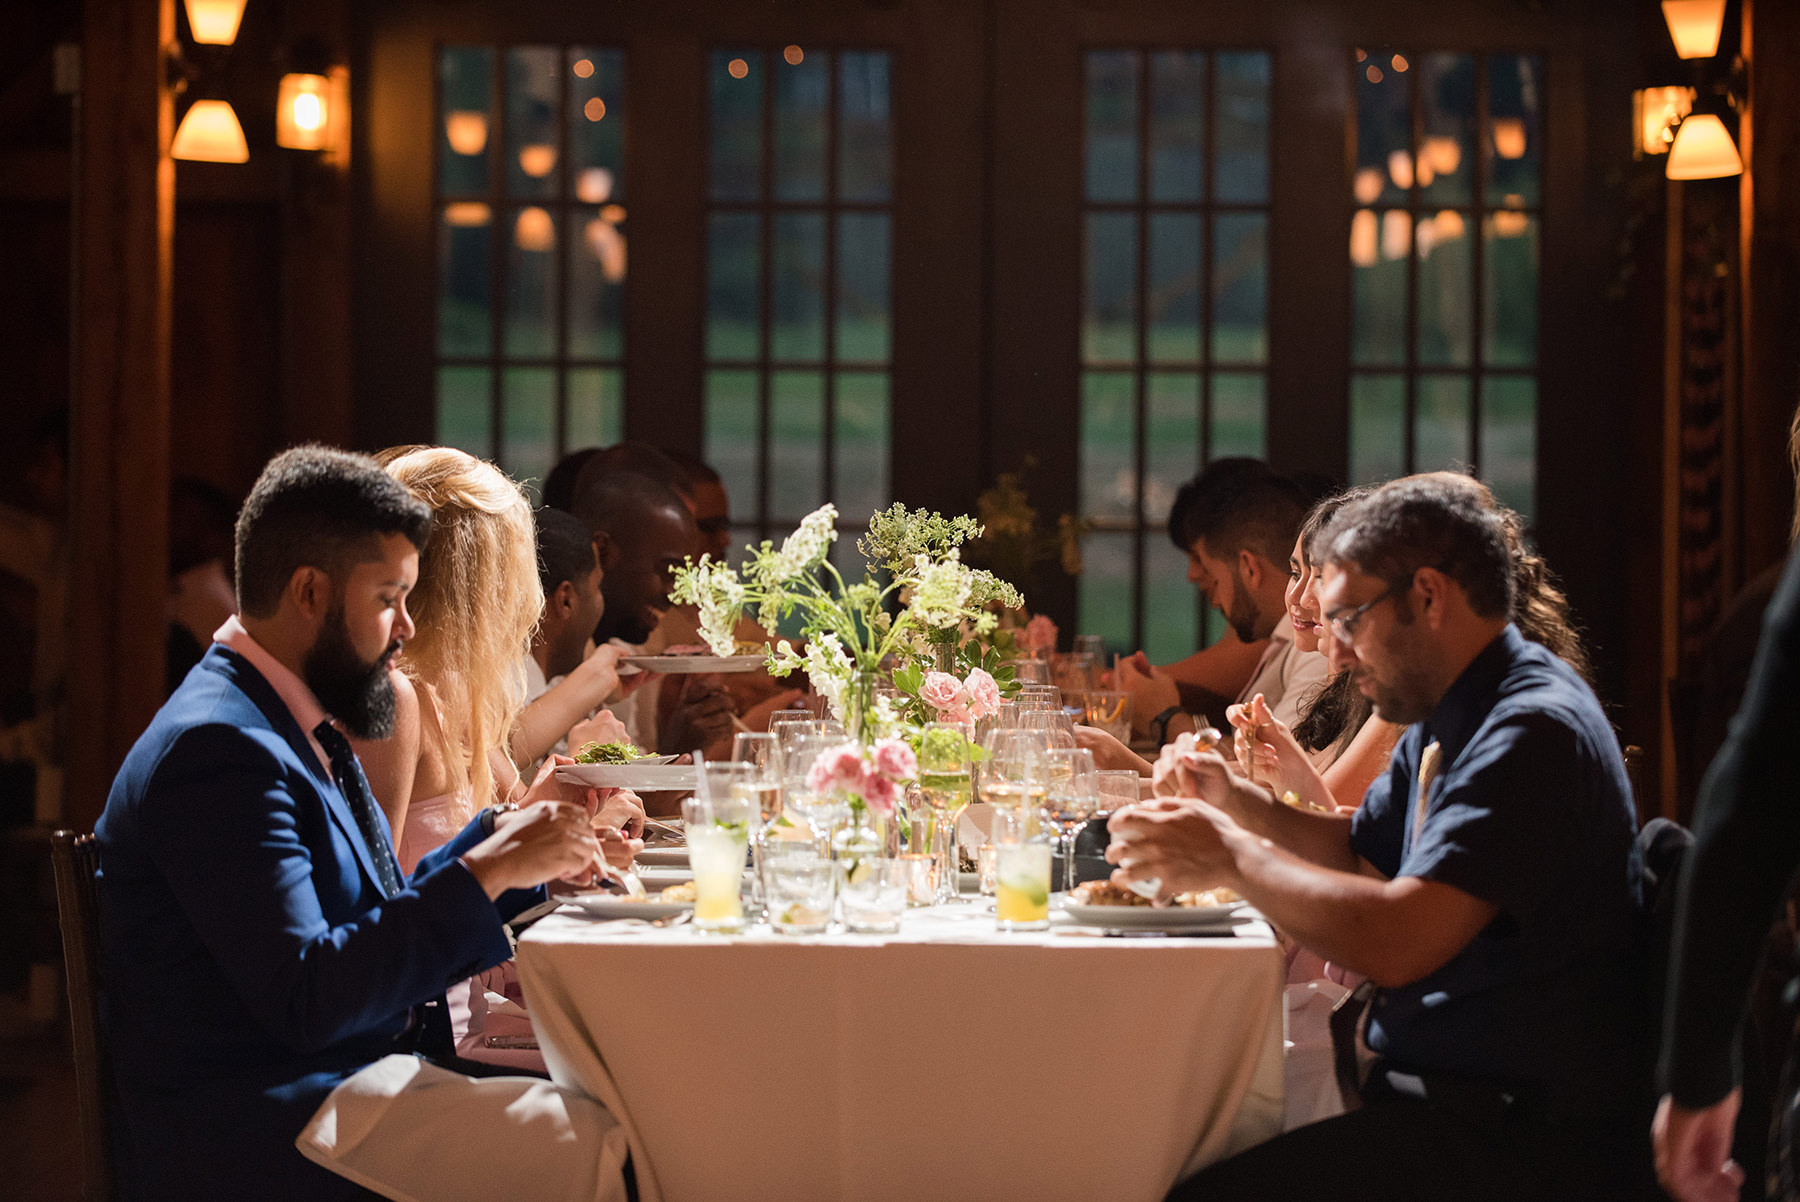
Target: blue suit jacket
248	960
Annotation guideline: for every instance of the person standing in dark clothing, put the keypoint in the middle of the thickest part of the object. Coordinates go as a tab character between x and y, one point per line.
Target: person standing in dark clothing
1747	827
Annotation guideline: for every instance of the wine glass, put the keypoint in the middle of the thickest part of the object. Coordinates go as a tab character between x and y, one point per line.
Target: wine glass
1073	797
1014	774
946	783
1031	671
760	756
1057	727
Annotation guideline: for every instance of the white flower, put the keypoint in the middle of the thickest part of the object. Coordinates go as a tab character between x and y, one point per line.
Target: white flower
829	668
807	546
940	599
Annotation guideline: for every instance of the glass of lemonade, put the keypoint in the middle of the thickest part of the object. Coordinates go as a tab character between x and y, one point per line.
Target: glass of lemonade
718	821
946	783
1022	871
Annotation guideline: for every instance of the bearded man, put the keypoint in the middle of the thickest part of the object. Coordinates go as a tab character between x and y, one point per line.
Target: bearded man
258	943
1488	887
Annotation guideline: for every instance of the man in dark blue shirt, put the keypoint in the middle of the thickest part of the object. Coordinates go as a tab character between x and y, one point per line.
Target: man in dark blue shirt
1489	884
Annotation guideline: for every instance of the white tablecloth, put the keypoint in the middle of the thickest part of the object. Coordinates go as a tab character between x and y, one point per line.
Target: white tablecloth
945	1062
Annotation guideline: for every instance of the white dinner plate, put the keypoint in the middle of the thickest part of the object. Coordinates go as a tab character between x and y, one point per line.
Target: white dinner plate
675	665
663	857
1150	918
602	904
662	877
639	774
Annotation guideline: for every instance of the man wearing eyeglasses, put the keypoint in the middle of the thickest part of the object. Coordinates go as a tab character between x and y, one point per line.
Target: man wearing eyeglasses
1487	887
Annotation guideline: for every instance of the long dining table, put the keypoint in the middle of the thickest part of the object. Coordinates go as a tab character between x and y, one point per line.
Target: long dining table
946	1061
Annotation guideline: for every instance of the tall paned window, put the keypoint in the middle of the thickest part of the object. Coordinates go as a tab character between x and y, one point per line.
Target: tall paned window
1444	232
798	301
531	251
1174	323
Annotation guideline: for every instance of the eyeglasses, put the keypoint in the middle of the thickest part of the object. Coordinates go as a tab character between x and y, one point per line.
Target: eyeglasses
1344	622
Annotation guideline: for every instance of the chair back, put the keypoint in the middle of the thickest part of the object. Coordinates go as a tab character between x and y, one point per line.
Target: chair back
76	862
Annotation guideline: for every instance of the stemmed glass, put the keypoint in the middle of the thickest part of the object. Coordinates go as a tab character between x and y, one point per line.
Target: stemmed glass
822	814
759	782
1056	727
946	783
1015	773
1073	798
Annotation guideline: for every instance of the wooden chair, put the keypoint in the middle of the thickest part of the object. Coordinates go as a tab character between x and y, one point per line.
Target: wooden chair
76	860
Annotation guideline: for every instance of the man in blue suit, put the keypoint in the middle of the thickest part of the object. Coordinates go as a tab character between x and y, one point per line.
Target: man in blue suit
258	943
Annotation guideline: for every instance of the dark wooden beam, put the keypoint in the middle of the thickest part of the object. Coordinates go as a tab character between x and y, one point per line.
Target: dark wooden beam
119	438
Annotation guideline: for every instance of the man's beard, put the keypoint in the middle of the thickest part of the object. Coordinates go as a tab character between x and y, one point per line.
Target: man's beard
358	694
1410	697
629	627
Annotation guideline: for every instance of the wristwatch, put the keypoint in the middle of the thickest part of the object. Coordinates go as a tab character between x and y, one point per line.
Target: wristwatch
488	815
1159	725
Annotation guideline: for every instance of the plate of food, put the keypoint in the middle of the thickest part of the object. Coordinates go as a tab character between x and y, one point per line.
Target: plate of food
624	766
1104	904
675	665
603	903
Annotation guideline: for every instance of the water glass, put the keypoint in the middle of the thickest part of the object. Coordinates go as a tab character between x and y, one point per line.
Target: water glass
1119	787
872	894
1110	711
799	883
947	786
1073	799
1021	873
718	838
1031	671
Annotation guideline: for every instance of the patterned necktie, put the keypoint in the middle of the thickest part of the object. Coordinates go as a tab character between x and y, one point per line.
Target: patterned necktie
355	788
1428	770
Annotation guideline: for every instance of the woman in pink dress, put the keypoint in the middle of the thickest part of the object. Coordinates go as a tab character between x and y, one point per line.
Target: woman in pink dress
459	685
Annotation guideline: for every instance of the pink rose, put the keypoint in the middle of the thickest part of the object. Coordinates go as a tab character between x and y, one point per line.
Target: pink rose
836	768
984	693
895	760
1040	635
942	691
957	713
879	794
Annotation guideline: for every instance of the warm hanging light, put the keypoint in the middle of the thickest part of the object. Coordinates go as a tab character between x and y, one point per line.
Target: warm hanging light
1396	234
607	245
1703	149
1368	185
1509	137
1363	234
466	131
215	22
1509	224
303	111
1448	227
594	186
1400	169
466	214
537	160
210	133
534	231
1443	153
1694	26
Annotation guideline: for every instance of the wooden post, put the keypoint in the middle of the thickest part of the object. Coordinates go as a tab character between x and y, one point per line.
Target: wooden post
119	436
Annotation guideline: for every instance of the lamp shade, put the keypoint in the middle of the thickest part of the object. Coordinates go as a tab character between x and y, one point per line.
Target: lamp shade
303	112
215	22
1703	149
1694	26
210	133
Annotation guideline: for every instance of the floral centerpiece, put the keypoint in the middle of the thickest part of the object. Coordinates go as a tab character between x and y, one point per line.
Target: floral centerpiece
927	612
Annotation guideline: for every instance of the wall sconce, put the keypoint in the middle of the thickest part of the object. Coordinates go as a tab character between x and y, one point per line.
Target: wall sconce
1656	112
214	22
210	133
1694	26
312	108
1703	149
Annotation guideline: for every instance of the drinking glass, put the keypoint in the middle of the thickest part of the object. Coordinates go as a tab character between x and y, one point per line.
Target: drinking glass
798	881
1110	711
1037	698
1031	671
1014	774
1076	673
1004	717
718	838
947	785
1022	873
872	894
1118	787
761	783
821	813
1056	727
1073	799
1091	644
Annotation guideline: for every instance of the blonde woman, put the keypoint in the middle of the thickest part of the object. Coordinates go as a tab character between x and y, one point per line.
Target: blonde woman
458	688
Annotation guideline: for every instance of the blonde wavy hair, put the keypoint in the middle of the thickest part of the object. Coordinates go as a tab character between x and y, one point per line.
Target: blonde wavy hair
476	604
